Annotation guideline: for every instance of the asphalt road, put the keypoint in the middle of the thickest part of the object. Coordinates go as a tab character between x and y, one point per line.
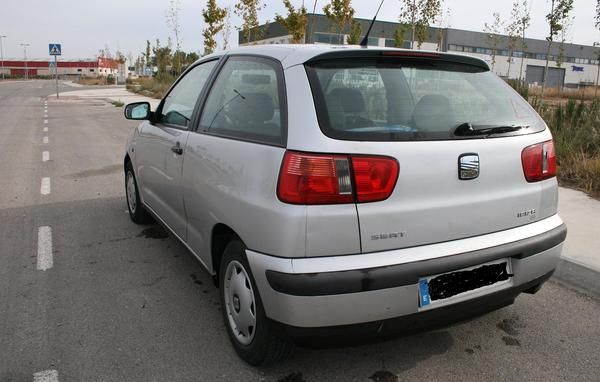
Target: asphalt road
128	303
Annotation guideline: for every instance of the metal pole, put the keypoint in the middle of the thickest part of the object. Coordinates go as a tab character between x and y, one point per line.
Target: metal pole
56	74
2	55
25	57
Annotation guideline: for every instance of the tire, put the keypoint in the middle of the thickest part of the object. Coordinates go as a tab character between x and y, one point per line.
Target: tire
137	212
257	346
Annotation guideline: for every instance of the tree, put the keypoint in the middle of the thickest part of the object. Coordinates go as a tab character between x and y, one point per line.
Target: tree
557	19
226	31
214	17
597	24
418	15
162	57
525	20
513	31
148	52
172	17
560	57
493	30
399	36
295	21
248	11
341	14
355	33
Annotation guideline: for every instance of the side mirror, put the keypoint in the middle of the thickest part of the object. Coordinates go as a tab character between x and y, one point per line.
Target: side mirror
137	111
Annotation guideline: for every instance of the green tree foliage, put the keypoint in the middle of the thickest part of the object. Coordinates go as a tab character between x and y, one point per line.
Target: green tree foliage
295	21
248	11
355	33
493	31
341	14
399	36
214	17
162	57
418	15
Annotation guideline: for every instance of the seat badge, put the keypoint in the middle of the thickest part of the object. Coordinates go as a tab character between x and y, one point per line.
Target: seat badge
468	166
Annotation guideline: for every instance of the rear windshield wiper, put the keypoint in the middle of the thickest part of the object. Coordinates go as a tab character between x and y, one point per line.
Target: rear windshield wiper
467	129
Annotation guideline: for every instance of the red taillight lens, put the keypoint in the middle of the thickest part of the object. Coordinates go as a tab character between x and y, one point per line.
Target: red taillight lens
539	161
314	179
327	179
374	177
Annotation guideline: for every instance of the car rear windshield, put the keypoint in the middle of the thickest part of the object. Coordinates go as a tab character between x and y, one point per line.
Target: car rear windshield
410	100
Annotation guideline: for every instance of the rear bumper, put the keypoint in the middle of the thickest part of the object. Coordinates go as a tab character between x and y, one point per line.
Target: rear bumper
367	288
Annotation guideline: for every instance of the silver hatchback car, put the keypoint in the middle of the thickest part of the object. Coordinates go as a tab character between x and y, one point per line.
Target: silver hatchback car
344	192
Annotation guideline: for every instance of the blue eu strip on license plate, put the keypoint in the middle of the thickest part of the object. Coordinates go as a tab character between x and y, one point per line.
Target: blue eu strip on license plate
424	298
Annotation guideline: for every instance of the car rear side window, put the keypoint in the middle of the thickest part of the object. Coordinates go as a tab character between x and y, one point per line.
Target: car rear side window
404	100
247	101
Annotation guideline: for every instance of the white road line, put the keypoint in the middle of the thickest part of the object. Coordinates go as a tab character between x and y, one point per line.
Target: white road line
45	115
44	258
45	121
45	156
45	140
45	187
45	129
46	376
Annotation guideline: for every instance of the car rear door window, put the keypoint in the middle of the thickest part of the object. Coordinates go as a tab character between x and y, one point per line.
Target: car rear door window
180	102
413	100
246	101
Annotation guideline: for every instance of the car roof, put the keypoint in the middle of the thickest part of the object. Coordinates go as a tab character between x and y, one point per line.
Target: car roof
296	54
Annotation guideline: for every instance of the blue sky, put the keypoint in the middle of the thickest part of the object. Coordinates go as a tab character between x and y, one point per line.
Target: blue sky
84	27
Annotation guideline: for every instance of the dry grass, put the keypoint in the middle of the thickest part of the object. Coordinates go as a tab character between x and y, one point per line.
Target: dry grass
553	94
150	86
575	127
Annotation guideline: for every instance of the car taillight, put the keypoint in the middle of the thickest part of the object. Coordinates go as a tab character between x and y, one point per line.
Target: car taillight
335	179
374	177
539	161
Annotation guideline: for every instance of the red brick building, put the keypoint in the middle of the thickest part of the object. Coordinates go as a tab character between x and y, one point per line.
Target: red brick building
66	67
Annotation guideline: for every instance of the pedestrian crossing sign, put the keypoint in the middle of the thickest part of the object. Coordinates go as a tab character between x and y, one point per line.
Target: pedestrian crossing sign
54	49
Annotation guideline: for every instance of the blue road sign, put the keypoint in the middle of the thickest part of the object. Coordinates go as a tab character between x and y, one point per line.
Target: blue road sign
54	49
51	64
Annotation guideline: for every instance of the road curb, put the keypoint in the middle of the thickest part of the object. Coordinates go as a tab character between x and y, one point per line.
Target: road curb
579	277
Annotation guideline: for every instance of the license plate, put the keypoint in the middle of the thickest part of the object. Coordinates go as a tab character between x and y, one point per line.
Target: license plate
453	285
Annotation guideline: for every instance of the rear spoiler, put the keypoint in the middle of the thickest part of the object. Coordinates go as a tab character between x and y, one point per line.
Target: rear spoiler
412	55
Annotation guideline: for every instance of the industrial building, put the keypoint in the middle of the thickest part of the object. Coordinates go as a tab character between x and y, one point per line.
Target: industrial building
66	67
579	65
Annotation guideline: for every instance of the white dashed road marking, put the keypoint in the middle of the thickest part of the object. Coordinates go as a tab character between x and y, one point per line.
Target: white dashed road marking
44	259
46	376
45	140
45	115
45	156
45	121
45	129
45	188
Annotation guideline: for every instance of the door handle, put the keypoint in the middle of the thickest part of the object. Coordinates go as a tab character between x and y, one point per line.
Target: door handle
177	149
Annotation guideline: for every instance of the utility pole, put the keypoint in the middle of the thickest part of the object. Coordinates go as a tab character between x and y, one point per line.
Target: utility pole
2	55
25	57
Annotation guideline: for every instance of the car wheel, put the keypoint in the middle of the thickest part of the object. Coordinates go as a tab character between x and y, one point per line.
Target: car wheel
247	325
137	213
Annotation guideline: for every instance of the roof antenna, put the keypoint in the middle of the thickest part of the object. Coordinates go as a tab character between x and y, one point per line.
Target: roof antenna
365	41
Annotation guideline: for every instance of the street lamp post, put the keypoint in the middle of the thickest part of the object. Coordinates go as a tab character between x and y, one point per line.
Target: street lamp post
25	57
2	55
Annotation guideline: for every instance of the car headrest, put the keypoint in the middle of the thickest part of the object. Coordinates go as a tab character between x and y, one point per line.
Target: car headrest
253	107
432	111
351	99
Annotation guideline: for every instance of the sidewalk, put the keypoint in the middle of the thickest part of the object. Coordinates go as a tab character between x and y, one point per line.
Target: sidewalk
114	93
580	263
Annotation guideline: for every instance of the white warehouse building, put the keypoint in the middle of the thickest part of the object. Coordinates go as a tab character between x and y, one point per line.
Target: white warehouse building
579	66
